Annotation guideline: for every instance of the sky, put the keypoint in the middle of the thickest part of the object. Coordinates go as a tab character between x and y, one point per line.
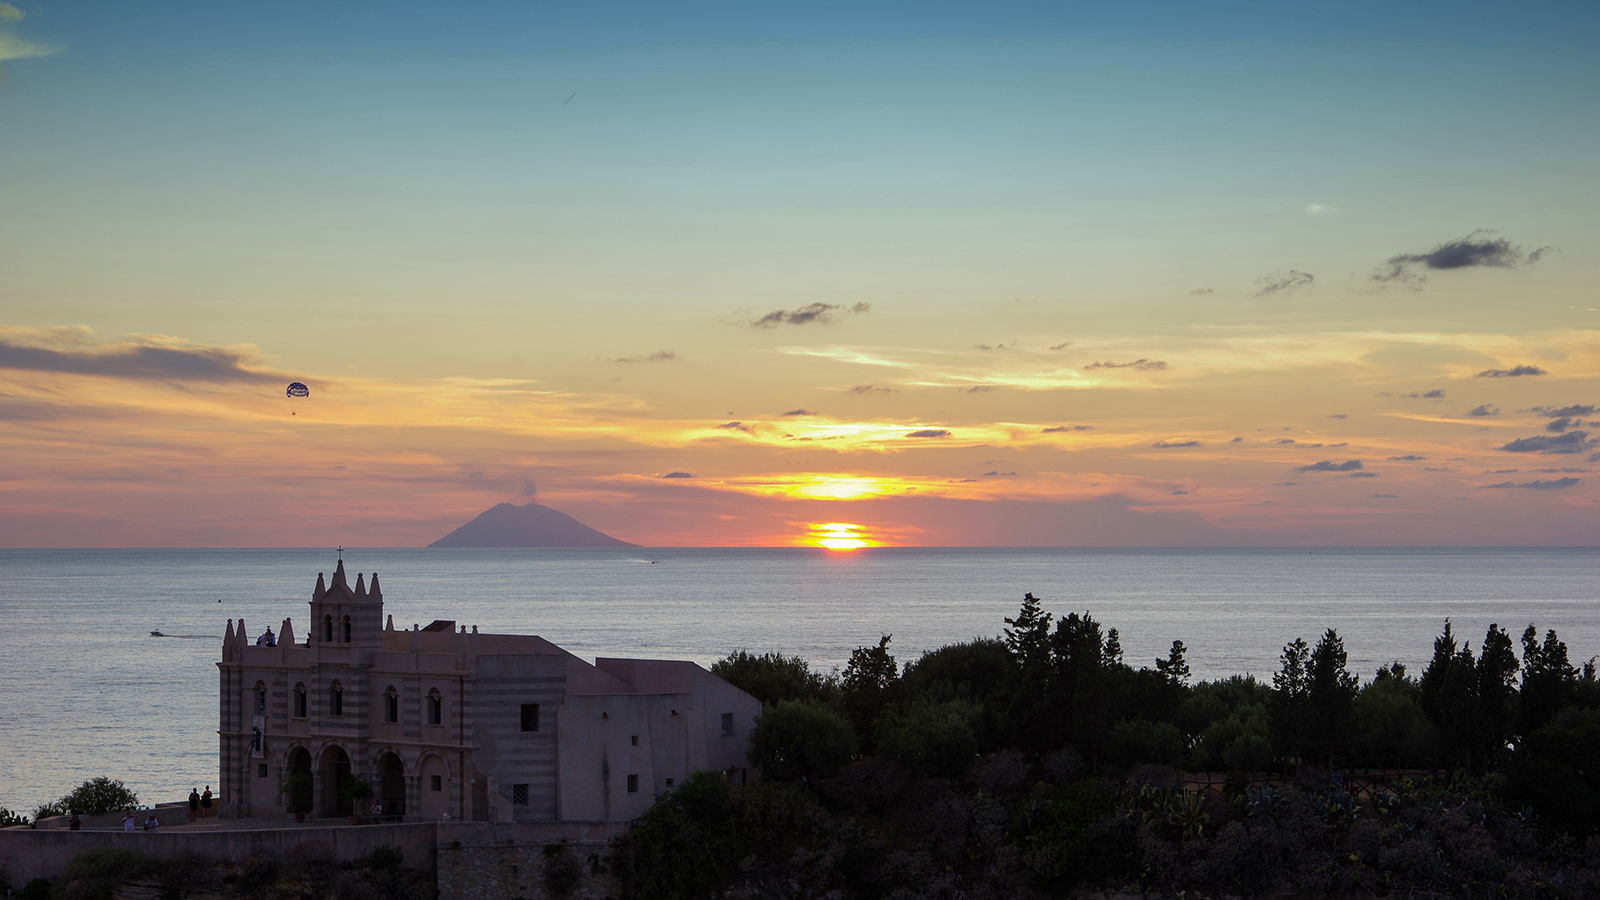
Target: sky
735	274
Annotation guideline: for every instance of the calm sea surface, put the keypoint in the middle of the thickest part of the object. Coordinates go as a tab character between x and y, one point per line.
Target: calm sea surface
86	691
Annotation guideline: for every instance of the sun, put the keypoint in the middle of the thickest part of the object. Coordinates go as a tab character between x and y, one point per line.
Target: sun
839	536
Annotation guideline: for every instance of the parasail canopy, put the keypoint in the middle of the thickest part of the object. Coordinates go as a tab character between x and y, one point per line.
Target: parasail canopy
298	390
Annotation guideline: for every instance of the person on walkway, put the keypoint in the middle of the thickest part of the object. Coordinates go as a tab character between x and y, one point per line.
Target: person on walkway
194	804
377	810
205	803
152	823
129	820
76	823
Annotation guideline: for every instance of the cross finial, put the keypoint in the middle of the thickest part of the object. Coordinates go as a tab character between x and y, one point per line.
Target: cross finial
341	553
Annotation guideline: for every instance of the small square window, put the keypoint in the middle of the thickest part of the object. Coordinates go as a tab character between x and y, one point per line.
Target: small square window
519	795
261	770
669	782
727	723
530	717
634	740
437	783
633	784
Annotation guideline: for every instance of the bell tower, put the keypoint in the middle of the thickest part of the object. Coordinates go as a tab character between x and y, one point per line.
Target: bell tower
346	616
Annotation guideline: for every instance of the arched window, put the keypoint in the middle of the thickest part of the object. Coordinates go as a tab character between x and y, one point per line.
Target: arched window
435	707
391	705
327	629
335	699
347	629
300	701
261	697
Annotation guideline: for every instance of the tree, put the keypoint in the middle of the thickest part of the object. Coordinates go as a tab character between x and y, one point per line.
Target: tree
1330	690
801	739
98	797
1549	681
1448	691
1497	693
1173	668
868	676
1291	686
773	677
930	740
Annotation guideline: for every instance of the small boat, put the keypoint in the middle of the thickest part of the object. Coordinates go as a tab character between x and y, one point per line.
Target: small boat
156	634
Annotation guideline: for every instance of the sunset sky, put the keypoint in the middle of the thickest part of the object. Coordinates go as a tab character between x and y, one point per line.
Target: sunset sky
1020	274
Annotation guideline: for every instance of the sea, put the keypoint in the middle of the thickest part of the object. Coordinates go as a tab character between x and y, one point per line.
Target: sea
86	690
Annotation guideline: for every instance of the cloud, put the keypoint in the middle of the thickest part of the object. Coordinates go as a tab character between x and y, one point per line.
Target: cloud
1540	485
1562	424
678	475
1484	410
1328	465
994	474
1201	292
1320	209
1061	346
1386	496
1571	442
656	357
735	426
1515	372
1362	475
811	312
149	357
1170	445
929	433
1236	440
1478	249
870	389
1284	282
1143	365
980	389
1063	429
14	47
1338	416
1435	394
1178	493
1407	458
1577	409
798	412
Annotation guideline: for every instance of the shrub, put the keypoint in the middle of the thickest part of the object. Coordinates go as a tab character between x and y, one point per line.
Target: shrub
98	797
801	740
562	870
387	858
37	889
931	740
94	874
9	818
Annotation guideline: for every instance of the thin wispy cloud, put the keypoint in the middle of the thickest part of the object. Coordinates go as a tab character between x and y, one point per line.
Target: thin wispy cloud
1328	465
1570	442
147	357
1484	410
1554	484
1064	429
1320	209
1480	249
1176	444
811	313
13	45
1286	282
1143	365
659	356
1514	372
929	433
798	412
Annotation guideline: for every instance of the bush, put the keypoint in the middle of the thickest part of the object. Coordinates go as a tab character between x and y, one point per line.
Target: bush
9	818
931	740
95	797
95	874
773	677
387	858
562	870
37	889
801	740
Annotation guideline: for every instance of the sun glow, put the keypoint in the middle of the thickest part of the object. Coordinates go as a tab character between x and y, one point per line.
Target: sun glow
839	536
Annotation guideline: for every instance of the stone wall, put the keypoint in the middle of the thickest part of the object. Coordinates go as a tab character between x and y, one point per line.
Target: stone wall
26	854
522	870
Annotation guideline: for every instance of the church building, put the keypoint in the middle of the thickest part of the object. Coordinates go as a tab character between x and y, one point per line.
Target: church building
440	721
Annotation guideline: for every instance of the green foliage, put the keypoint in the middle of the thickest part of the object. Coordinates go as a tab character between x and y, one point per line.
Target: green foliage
931	740
387	858
9	818
1135	741
94	874
95	797
801	739
37	889
1555	773
773	677
563	872
973	670
354	788
1174	668
868	678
